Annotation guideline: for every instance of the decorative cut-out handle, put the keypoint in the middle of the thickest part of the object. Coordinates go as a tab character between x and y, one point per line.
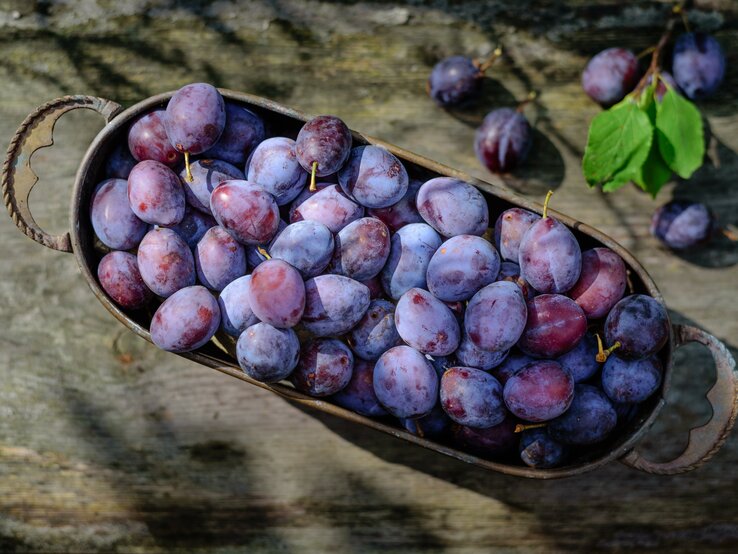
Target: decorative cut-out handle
704	441
36	132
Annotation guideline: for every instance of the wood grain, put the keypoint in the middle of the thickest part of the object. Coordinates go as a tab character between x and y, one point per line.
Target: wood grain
107	444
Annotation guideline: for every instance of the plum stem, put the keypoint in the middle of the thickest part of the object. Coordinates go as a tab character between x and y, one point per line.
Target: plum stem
486	64
520	427
645	52
549	194
532	95
187	167
679	10
629	281
729	232
263	252
602	354
656	56
313	188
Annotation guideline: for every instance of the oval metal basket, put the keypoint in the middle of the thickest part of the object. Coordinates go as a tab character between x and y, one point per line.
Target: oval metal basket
18	179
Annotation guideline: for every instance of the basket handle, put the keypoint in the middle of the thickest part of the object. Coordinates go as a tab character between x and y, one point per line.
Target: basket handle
36	132
704	441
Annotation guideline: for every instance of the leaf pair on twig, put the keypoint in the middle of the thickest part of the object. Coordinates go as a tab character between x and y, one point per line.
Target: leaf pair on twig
644	139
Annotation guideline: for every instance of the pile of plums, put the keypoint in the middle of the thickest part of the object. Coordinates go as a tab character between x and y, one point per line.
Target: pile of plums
335	271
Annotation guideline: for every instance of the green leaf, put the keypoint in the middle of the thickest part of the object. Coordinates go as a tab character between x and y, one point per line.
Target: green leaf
647	103
617	146
629	172
679	134
654	173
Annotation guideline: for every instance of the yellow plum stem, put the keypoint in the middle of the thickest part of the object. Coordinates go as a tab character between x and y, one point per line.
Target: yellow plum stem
532	95
263	252
187	167
549	194
729	233
602	354
679	10
486	64
646	52
520	427
313	188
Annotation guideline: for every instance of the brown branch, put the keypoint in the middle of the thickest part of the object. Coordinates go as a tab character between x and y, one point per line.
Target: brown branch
654	66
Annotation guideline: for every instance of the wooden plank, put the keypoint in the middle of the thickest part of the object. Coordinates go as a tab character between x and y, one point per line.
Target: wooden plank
107	444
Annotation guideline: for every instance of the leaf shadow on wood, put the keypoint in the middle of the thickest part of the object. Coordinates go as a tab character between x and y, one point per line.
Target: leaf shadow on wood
94	55
201	495
611	492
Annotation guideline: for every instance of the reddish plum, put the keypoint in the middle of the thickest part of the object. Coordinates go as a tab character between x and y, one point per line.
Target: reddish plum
147	139
539	391
555	325
325	142
155	194
324	368
361	250
186	320
503	141
277	294
549	256
195	118
472	397
119	276
601	282
246	211
165	262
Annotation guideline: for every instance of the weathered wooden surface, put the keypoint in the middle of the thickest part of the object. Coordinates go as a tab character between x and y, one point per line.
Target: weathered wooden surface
107	444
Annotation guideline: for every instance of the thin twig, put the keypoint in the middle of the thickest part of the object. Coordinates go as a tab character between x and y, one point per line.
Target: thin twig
655	58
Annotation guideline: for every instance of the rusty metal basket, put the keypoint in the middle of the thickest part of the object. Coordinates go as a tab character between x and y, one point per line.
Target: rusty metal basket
37	132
